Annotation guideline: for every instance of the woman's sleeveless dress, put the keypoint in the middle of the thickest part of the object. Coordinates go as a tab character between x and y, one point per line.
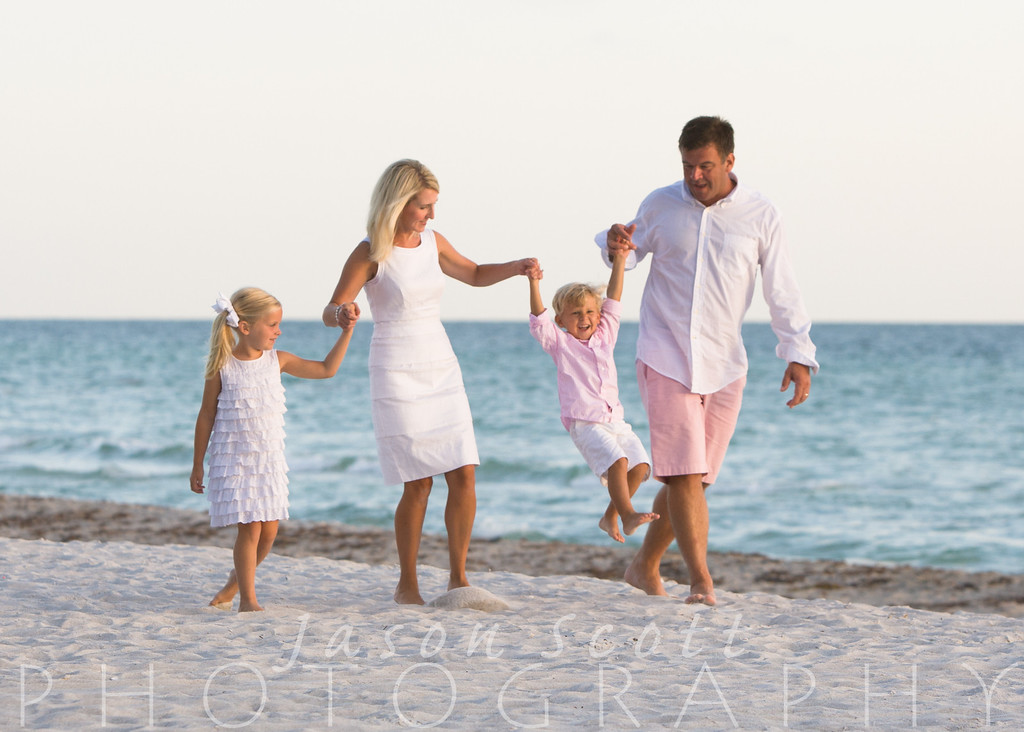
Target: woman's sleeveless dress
421	415
248	476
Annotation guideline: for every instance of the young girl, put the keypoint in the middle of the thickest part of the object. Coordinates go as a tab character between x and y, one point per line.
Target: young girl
242	421
581	340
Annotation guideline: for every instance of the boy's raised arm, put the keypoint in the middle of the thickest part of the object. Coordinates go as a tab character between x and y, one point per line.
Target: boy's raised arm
535	275
614	291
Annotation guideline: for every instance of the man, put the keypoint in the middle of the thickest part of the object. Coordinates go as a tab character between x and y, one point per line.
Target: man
708	236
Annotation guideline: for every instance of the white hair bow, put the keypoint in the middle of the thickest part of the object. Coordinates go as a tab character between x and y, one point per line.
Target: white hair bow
224	305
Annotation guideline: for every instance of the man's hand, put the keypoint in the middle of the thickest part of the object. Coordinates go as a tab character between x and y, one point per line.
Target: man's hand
620	238
800	376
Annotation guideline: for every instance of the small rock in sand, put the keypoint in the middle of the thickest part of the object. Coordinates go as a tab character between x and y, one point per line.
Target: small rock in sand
474	598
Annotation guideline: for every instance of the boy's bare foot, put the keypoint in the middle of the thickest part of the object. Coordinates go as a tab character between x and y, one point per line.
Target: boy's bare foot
635	520
644	579
222	600
611	527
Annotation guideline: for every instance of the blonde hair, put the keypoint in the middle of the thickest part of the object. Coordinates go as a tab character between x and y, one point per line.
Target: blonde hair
397	185
574	294
250	303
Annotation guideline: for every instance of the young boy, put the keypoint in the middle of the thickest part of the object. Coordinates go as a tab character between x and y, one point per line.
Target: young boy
588	389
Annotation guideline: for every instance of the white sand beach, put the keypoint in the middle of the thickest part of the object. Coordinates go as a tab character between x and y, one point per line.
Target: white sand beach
118	635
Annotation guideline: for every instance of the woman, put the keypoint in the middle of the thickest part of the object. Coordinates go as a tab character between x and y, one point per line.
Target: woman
421	415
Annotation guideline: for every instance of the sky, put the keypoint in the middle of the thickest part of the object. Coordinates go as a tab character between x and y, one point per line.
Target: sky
155	153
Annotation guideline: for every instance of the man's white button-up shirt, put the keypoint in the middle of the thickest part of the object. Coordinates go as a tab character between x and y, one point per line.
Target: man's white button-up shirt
704	265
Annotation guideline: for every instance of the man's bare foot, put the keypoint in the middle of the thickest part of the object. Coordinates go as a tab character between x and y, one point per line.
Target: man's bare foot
635	520
644	578
249	607
701	594
611	527
222	600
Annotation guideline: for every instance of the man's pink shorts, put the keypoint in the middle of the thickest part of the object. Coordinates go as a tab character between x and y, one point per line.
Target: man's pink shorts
689	432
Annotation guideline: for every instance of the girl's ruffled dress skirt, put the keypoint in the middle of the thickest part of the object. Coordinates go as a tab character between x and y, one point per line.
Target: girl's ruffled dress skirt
248	475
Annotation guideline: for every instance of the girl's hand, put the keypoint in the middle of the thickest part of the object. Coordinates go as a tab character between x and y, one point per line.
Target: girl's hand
535	272
196	481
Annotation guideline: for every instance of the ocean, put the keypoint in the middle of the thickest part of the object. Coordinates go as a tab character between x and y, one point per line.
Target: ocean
910	450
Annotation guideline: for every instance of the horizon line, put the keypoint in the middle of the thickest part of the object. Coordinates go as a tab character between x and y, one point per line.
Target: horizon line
752	321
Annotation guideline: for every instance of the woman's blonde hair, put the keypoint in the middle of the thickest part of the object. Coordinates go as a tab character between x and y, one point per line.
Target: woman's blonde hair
397	185
250	303
574	294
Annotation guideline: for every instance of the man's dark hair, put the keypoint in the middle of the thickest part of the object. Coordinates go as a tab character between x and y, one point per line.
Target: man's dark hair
702	131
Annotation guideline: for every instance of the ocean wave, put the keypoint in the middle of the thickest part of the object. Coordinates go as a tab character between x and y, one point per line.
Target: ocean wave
140	450
505	471
111	472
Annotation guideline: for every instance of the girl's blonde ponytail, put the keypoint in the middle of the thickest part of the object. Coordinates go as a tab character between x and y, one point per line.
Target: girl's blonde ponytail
250	303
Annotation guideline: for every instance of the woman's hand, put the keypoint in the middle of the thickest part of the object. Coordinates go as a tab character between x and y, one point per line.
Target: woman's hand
348	314
342	310
529	267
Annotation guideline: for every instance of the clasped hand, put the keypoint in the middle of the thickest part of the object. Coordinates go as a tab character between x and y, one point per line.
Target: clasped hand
348	314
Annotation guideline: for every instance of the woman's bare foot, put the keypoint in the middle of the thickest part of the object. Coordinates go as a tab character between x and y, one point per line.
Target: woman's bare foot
633	521
644	578
610	525
223	599
408	594
249	607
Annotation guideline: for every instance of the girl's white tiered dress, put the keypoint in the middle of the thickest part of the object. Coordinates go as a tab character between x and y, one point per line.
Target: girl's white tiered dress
248	476
421	415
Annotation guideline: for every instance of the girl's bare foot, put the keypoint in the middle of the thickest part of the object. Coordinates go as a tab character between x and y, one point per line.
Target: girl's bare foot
610	525
633	521
222	600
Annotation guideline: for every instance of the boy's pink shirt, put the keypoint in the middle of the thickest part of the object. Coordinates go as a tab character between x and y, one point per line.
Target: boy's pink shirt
588	387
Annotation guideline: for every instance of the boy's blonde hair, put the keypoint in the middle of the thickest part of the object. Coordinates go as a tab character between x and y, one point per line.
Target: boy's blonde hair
574	294
250	304
397	185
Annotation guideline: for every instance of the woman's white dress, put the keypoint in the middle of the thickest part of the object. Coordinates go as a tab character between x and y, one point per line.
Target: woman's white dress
421	416
248	476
